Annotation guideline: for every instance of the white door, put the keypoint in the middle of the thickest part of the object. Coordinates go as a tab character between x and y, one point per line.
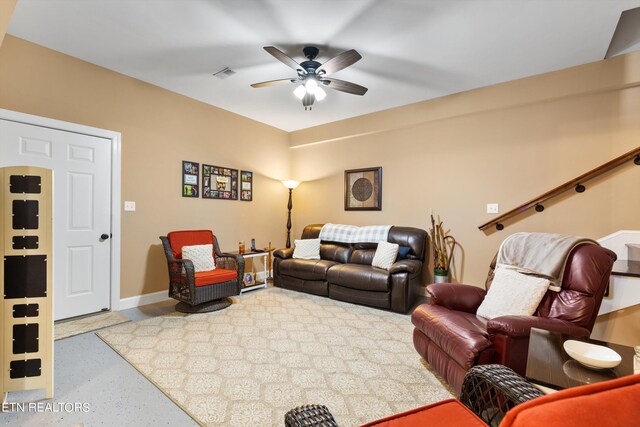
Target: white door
81	167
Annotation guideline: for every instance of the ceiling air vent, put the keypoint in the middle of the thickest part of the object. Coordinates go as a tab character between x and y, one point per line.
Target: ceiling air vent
224	73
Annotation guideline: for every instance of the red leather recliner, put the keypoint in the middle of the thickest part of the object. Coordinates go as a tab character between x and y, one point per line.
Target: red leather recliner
452	339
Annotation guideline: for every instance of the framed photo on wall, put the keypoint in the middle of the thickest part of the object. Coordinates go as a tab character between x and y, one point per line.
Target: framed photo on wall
246	186
363	189
190	175
219	183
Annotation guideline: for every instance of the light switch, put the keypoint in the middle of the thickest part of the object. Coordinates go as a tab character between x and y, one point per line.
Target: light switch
492	208
129	206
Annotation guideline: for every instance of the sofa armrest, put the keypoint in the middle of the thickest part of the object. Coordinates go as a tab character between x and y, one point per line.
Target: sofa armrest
457	297
520	326
406	265
492	390
284	253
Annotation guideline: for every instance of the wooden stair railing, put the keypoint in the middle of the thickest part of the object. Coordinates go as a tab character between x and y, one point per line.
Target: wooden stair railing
576	183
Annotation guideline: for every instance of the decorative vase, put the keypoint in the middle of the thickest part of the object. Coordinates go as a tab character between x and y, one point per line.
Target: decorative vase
440	275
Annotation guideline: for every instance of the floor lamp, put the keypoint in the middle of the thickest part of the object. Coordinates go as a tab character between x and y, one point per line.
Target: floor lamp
290	184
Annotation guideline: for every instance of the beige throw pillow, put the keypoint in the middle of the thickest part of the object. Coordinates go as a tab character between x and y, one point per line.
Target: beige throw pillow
306	249
386	254
201	256
512	294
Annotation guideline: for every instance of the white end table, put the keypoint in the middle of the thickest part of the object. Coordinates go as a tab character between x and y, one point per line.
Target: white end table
258	284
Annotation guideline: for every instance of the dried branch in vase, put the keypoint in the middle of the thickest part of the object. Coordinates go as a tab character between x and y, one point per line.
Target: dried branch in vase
442	245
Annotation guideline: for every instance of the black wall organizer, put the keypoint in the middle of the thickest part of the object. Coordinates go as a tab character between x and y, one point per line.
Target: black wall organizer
24	242
25	184
25	368
25	276
25	338
26	310
25	254
25	214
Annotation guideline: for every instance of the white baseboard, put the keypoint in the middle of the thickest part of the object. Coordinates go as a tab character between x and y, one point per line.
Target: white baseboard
145	299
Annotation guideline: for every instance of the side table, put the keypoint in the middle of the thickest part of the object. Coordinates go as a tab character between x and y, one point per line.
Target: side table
548	365
259	284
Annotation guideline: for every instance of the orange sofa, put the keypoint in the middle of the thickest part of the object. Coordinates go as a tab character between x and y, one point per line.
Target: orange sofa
610	403
496	396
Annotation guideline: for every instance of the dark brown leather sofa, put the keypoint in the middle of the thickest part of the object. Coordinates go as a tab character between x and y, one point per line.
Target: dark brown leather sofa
452	339
344	270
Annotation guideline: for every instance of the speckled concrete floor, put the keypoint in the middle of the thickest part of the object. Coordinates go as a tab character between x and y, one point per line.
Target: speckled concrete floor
87	371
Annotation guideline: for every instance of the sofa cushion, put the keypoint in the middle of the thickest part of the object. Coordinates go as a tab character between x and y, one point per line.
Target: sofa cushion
607	403
363	256
213	277
201	256
306	249
334	252
403	251
385	255
460	335
512	294
356	276
178	239
306	269
413	238
450	412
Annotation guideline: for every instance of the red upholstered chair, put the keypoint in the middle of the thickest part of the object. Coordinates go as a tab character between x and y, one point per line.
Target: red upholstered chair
203	291
494	395
452	339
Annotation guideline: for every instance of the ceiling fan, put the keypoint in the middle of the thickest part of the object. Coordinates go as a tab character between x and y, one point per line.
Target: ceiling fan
312	74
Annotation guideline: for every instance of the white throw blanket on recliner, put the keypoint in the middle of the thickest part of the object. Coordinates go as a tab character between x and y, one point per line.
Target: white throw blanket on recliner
541	254
353	234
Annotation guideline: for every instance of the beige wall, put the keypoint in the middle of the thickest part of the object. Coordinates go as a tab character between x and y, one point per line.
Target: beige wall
6	11
159	129
503	144
506	144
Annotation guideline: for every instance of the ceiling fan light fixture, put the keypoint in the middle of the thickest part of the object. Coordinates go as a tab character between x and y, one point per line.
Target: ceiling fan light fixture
311	85
320	93
300	92
311	75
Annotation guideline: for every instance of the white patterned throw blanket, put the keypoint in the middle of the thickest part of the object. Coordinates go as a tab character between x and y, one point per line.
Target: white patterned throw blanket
353	234
540	254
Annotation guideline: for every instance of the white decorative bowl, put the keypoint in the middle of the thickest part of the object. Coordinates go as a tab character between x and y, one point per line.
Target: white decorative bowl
592	355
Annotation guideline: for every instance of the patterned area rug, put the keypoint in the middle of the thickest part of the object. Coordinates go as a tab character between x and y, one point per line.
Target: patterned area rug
69	328
275	349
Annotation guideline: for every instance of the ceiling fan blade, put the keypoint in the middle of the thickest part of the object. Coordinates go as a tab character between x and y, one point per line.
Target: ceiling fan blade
273	82
284	58
343	86
626	35
339	62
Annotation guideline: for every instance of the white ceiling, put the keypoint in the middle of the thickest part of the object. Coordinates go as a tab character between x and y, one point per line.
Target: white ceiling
412	50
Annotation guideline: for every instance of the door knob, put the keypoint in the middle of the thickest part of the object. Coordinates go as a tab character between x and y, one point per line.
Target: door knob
104	236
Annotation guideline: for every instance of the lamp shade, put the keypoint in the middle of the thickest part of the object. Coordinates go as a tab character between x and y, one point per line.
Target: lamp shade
311	85
300	92
290	184
320	93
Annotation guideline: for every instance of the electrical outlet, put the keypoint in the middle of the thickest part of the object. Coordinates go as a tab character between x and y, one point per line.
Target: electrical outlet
129	206
492	208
